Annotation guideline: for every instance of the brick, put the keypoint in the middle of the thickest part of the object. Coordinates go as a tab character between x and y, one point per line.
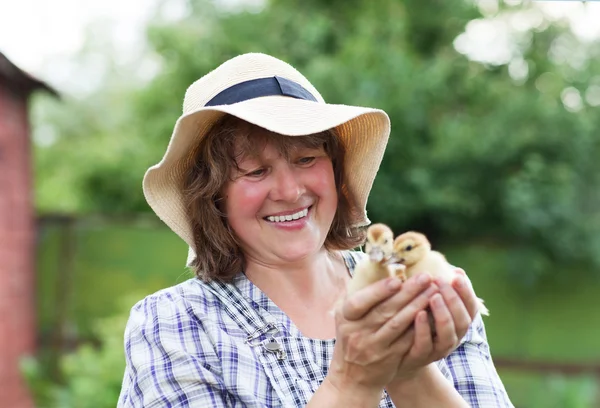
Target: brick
17	319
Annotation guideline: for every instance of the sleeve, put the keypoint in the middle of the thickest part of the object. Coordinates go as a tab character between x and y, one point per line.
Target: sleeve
170	360
471	369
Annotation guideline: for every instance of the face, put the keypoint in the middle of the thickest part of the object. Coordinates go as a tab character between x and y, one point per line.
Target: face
282	209
410	248
380	240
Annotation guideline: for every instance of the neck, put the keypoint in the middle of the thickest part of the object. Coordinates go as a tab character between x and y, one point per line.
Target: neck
312	279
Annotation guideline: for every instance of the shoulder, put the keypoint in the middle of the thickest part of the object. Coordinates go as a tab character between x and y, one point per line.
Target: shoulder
170	349
186	319
181	303
189	290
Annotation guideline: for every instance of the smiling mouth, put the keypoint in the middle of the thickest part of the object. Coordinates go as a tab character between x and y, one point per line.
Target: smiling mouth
289	217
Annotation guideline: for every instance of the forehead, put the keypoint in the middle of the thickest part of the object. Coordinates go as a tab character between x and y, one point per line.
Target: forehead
251	142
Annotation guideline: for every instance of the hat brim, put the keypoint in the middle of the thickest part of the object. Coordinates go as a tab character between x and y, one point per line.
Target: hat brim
363	131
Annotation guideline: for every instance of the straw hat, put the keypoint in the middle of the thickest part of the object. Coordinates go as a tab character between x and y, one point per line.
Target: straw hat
269	93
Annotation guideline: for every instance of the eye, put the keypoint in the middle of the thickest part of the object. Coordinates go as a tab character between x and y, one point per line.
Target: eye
256	173
408	248
306	160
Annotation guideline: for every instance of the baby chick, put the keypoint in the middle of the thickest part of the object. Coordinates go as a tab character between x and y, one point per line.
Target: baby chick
413	250
374	267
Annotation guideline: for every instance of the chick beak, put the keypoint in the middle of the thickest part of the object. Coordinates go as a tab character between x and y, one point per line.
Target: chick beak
395	260
376	254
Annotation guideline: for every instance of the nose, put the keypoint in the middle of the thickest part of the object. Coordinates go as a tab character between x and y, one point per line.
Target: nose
287	185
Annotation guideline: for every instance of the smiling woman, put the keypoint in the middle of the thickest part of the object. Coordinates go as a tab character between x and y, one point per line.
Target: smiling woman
244	161
268	186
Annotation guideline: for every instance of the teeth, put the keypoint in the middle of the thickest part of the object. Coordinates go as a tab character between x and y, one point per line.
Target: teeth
282	218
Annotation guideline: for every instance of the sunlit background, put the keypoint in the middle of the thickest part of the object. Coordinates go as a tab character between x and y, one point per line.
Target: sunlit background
494	153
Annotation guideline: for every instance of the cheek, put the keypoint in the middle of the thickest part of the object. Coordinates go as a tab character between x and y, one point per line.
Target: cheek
326	179
326	188
322	183
244	199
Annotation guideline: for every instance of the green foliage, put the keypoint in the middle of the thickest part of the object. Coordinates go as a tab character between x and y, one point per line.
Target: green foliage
551	390
109	258
475	154
91	375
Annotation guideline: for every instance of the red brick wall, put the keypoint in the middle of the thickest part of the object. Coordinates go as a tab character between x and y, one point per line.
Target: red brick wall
17	314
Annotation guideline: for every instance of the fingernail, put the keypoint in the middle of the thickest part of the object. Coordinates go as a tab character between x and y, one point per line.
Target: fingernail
459	282
423	279
394	284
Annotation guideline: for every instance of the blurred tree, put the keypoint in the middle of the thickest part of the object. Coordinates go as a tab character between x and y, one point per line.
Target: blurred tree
93	373
499	153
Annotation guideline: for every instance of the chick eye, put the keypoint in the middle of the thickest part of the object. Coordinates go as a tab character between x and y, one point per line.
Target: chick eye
408	248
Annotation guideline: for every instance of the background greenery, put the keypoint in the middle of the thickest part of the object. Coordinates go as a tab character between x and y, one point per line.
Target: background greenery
496	162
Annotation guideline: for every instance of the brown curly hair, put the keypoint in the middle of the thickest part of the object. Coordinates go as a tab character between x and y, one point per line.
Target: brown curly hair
218	254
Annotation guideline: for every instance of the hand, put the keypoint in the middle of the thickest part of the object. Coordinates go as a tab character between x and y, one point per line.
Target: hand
454	308
374	332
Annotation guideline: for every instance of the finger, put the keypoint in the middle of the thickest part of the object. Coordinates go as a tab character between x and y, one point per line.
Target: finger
460	271
446	337
423	344
410	290
358	304
456	307
401	346
466	293
396	326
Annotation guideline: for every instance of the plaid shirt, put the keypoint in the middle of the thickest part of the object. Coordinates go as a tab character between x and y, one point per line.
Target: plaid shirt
185	348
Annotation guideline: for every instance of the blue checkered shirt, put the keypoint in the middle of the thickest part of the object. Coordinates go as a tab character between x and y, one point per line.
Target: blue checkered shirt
183	348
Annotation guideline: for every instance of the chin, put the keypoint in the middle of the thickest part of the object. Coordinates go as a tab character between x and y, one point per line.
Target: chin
298	251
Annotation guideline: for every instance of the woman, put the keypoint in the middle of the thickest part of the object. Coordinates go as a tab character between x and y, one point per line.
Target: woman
268	185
